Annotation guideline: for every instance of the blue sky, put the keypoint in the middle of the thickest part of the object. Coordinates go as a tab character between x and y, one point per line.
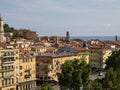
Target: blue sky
55	17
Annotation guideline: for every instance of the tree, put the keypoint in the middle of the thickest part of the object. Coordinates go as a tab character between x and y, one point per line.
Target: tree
47	87
95	85
7	28
66	76
112	77
16	35
74	74
114	60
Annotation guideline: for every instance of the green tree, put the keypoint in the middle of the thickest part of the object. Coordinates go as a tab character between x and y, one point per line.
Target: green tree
66	76
95	85
16	35
74	74
7	28
47	87
114	60
112	77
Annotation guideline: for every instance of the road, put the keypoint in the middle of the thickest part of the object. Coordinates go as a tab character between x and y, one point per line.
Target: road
56	87
96	75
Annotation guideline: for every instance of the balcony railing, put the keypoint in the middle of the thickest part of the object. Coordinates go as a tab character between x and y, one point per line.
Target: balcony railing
27	70
27	76
47	67
7	77
5	70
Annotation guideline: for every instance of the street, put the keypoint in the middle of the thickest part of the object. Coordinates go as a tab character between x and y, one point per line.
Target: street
96	75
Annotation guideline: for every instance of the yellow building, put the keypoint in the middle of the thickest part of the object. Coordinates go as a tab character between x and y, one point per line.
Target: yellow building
27	71
17	69
9	57
38	49
82	53
84	56
98	56
48	65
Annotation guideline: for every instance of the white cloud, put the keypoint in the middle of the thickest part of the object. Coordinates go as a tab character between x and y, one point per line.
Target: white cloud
48	6
104	0
107	25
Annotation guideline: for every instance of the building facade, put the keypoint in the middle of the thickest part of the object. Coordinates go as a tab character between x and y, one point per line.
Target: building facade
97	57
17	69
83	55
9	61
48	65
27	72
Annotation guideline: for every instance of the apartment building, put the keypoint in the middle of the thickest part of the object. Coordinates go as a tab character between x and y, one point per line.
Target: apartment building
98	56
82	53
9	61
48	65
27	71
38	49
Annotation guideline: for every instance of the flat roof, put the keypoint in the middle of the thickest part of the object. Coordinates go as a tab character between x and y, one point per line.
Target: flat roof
57	54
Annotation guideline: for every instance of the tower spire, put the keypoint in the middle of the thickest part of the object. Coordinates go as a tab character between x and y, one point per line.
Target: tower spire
2	37
0	17
116	38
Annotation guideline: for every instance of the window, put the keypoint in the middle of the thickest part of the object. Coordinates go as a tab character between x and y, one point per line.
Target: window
5	81
20	67
24	60
16	57
46	72
41	78
20	73
12	81
31	59
12	89
17	79
2	82
16	52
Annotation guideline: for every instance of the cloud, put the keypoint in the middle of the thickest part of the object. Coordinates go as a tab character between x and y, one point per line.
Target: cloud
48	6
107	25
104	0
59	9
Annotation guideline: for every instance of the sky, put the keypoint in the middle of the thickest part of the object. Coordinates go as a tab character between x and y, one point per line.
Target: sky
56	17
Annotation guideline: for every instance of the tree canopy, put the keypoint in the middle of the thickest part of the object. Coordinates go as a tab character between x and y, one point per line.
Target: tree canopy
7	28
47	87
114	60
74	74
112	77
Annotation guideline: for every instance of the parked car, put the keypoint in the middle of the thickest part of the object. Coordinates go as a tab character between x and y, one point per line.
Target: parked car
100	73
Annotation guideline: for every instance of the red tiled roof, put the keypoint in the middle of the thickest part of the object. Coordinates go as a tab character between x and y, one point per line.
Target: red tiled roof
95	47
2	44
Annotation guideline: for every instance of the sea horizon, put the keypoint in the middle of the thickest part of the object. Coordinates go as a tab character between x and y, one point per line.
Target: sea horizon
102	38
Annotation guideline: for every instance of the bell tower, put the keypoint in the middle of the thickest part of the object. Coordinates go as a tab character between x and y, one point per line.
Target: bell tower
2	37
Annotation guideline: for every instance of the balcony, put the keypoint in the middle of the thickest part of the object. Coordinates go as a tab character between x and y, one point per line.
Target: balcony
47	67
7	60
8	77
27	70
27	76
7	70
8	54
